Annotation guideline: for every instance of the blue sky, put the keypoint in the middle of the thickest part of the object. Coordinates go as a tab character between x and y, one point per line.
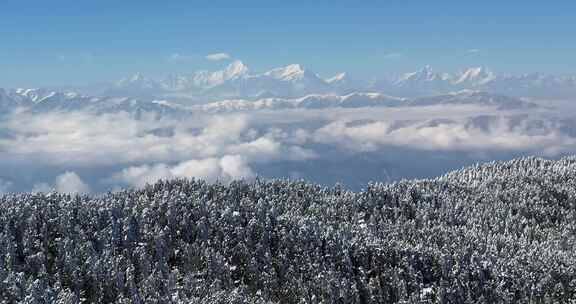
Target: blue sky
72	42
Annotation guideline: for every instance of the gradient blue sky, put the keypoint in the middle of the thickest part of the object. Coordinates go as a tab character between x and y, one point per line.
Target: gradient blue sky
72	42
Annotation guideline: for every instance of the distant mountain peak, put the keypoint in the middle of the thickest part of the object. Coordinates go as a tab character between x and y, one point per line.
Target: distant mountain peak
34	94
137	80
137	77
475	76
294	68
236	69
426	74
467	92
340	77
294	80
289	72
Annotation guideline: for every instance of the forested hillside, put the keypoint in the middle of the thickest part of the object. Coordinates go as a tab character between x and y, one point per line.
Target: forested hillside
495	233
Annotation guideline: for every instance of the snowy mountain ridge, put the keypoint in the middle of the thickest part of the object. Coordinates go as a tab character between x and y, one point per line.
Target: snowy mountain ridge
236	81
40	100
362	100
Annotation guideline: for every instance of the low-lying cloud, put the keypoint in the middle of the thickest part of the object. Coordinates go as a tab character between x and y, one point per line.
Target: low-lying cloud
133	152
215	148
499	133
5	186
67	182
92	140
225	169
70	182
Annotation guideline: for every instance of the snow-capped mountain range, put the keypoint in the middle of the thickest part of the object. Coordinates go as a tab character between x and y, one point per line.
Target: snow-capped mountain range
235	81
365	100
235	88
428	82
294	81
43	101
316	101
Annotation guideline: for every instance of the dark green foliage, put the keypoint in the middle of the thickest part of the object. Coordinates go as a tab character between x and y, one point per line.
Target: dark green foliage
496	233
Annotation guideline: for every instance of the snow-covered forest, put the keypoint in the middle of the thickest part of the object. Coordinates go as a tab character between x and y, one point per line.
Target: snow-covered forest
493	233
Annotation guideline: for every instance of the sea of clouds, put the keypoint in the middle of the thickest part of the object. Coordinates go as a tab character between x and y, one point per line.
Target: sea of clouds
82	152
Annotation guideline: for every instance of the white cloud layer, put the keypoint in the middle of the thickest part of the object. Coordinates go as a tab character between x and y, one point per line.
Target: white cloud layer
225	169
5	186
67	182
226	147
218	56
212	148
501	134
70	182
73	139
